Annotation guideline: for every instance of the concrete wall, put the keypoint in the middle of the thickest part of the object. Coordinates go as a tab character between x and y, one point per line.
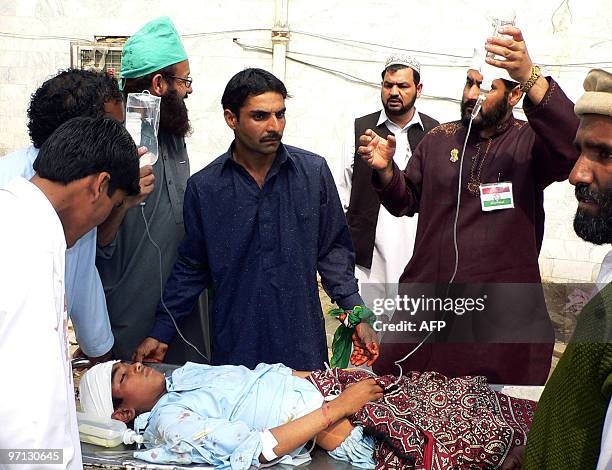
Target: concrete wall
335	53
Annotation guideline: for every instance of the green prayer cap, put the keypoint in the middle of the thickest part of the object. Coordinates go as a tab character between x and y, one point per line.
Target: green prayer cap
155	46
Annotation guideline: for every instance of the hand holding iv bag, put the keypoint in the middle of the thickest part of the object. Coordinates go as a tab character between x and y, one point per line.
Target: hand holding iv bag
489	72
142	123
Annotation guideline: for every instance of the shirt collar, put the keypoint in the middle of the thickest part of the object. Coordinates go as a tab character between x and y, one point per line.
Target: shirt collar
282	155
416	119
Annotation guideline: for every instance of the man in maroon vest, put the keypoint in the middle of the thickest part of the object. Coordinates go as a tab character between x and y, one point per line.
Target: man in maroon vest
383	243
485	242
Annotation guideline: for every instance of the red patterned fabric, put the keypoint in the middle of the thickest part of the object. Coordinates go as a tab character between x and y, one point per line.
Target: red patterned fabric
431	422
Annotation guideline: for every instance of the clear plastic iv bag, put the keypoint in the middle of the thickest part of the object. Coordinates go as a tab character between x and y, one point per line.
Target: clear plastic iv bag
142	122
490	28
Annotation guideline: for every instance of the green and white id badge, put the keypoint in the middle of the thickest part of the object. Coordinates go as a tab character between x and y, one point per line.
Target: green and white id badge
495	196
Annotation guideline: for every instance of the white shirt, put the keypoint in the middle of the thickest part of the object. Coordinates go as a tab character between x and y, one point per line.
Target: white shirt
37	409
605	453
605	273
18	163
395	236
605	456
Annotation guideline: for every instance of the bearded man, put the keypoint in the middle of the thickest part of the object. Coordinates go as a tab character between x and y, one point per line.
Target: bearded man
383	243
572	427
128	259
481	223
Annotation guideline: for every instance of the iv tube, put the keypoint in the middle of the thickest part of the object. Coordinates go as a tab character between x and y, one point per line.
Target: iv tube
475	111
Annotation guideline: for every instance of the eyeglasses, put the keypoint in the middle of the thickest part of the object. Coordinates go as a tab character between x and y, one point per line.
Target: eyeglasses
186	81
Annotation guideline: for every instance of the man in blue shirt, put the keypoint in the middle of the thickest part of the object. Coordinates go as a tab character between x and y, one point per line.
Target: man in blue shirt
260	222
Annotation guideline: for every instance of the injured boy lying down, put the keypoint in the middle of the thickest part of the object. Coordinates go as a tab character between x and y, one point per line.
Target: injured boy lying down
234	417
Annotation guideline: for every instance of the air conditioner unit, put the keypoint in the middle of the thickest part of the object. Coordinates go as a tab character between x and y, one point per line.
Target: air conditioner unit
99	56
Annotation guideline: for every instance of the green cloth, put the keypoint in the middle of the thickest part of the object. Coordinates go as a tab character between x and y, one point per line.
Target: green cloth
567	426
342	343
155	46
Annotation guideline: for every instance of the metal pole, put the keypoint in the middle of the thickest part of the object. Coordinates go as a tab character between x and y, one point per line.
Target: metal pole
280	38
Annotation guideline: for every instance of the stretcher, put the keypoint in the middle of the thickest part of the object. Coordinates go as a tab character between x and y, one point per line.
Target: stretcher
120	457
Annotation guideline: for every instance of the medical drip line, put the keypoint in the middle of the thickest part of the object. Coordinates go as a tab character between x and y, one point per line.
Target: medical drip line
161	287
475	111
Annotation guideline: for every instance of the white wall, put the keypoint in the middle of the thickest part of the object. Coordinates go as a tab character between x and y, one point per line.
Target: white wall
35	37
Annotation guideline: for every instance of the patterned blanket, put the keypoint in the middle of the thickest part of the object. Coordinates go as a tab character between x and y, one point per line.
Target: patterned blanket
431	422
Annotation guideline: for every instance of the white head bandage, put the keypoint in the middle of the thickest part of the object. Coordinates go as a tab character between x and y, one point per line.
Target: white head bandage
95	390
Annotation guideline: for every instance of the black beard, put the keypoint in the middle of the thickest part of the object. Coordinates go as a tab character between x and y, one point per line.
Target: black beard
594	228
492	118
402	110
173	115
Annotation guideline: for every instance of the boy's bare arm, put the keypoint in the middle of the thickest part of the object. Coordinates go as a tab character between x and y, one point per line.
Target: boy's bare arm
295	433
302	373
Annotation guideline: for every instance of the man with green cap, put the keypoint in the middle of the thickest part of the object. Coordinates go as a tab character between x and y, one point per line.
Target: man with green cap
137	234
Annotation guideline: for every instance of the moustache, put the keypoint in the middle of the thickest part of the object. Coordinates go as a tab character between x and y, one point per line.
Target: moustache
584	194
271	137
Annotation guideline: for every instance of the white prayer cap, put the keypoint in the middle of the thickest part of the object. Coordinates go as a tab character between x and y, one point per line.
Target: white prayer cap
95	390
405	60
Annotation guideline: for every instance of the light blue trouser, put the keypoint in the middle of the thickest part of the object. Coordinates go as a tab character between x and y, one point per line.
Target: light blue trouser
356	449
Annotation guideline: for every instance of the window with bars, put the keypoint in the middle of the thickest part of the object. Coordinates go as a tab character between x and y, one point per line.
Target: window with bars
103	54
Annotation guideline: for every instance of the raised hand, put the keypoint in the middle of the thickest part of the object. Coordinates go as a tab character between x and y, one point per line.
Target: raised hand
147	182
513	49
376	151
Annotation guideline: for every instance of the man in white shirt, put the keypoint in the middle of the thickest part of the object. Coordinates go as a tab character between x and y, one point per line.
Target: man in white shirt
87	167
73	93
383	243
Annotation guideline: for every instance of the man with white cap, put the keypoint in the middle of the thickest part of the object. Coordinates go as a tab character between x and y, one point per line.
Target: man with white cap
572	427
153	59
383	243
481	224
